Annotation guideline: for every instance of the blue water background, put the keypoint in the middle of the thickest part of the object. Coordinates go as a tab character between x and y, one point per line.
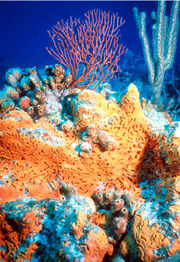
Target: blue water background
24	25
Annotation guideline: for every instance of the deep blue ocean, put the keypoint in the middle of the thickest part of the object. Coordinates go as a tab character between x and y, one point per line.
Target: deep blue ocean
24	25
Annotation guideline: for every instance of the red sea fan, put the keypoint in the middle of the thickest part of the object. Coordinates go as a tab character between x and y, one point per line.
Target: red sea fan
91	46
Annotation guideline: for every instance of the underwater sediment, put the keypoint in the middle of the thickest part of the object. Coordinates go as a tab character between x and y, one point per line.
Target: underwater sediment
85	175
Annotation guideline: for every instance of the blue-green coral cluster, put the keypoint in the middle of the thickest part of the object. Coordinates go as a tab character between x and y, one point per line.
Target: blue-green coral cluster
36	92
56	241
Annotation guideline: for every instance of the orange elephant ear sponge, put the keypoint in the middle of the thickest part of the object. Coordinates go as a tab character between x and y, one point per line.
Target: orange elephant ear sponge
116	138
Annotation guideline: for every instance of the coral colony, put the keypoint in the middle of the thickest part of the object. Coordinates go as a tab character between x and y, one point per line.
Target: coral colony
88	173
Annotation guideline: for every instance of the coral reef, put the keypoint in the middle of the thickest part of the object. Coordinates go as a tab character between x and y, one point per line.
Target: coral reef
93	179
38	95
33	143
111	214
51	230
153	232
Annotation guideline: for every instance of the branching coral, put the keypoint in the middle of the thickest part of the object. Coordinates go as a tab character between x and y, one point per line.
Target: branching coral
164	42
92	44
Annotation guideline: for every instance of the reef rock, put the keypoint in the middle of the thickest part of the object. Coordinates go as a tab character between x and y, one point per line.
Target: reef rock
53	160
